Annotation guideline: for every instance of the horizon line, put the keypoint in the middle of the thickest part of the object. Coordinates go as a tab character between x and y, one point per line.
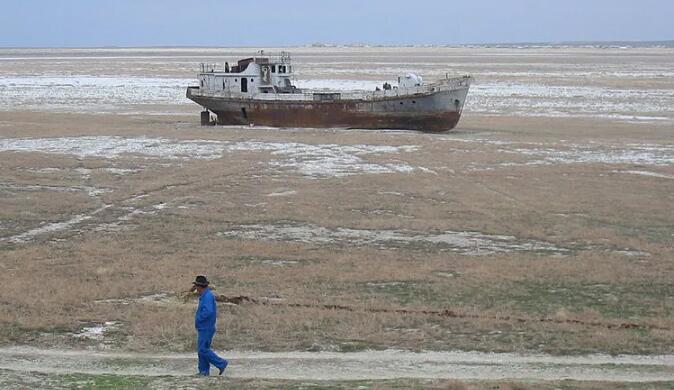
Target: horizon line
353	44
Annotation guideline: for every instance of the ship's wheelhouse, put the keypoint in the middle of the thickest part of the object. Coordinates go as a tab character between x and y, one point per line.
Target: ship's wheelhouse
250	76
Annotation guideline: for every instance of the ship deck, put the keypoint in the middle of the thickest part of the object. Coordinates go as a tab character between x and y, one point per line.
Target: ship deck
331	95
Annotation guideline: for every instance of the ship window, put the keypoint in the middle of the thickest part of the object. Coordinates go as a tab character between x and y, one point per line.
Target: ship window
273	68
251	80
414	102
236	80
401	103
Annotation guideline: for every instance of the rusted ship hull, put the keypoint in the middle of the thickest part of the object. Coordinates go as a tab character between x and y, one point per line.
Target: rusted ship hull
438	110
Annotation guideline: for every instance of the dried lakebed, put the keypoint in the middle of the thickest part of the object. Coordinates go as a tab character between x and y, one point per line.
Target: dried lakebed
107	218
466	243
334	160
316	161
87	93
109	93
387	364
313	160
640	154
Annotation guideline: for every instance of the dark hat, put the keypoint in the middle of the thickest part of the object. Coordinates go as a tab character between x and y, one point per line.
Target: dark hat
201	281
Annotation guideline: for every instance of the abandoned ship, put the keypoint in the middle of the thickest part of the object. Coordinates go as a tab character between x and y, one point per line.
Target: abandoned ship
259	91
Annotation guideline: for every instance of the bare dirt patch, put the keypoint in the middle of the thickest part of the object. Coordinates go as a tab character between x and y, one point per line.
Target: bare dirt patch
353	366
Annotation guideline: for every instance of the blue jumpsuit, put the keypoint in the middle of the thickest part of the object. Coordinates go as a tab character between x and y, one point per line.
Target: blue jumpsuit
204	321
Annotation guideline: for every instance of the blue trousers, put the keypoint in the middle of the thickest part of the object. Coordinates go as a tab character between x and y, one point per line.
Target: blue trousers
206	354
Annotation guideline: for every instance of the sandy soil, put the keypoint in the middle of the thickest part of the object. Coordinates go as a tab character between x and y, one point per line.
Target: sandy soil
322	366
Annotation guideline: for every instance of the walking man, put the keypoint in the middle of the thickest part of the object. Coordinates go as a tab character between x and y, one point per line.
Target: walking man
204	321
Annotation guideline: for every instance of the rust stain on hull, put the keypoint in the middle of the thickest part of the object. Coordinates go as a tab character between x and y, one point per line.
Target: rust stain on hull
259	91
401	113
330	116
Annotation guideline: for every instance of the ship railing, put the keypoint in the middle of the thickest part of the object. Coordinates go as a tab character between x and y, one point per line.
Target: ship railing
276	58
282	57
209	68
444	84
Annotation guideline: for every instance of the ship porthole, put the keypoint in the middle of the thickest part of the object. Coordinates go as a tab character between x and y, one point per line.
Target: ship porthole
414	102
401	103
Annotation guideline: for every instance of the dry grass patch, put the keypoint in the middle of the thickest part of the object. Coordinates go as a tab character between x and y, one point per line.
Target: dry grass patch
581	207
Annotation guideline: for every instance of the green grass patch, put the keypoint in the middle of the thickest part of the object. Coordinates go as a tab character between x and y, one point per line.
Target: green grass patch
625	301
405	293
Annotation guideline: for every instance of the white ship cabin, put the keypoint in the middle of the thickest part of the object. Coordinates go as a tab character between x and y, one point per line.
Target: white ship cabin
250	76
